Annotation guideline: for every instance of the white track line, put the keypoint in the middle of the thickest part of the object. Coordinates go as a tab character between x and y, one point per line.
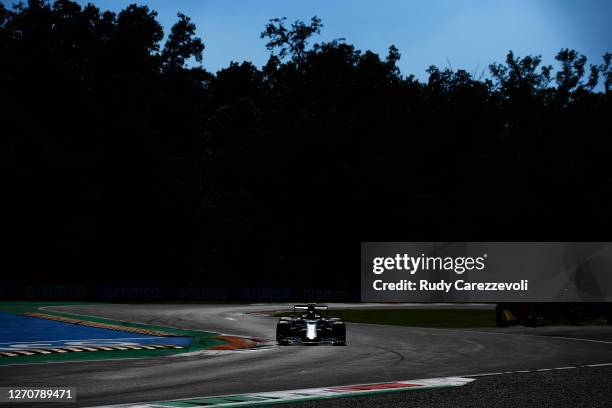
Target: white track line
538	370
574	338
599	365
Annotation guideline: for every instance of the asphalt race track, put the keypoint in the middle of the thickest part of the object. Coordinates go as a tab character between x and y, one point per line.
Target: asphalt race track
374	353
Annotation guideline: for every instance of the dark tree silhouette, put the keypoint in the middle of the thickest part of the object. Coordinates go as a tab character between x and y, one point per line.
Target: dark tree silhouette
290	42
128	164
182	44
606	71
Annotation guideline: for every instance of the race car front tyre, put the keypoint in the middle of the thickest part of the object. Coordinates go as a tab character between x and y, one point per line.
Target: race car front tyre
281	331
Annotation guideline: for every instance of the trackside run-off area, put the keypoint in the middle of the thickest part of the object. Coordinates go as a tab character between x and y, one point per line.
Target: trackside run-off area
31	334
470	363
303	395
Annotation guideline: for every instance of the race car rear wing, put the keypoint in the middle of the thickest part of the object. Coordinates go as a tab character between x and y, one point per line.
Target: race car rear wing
302	308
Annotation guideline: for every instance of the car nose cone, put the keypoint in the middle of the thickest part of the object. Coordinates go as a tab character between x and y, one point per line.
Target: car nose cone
311	330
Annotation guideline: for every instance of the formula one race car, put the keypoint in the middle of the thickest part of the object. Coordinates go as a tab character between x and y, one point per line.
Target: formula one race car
310	325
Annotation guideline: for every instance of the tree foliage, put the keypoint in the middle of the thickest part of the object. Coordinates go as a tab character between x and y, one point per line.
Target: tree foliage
182	44
124	159
290	41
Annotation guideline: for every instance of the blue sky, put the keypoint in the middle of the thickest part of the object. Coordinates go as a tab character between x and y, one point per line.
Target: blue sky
468	33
